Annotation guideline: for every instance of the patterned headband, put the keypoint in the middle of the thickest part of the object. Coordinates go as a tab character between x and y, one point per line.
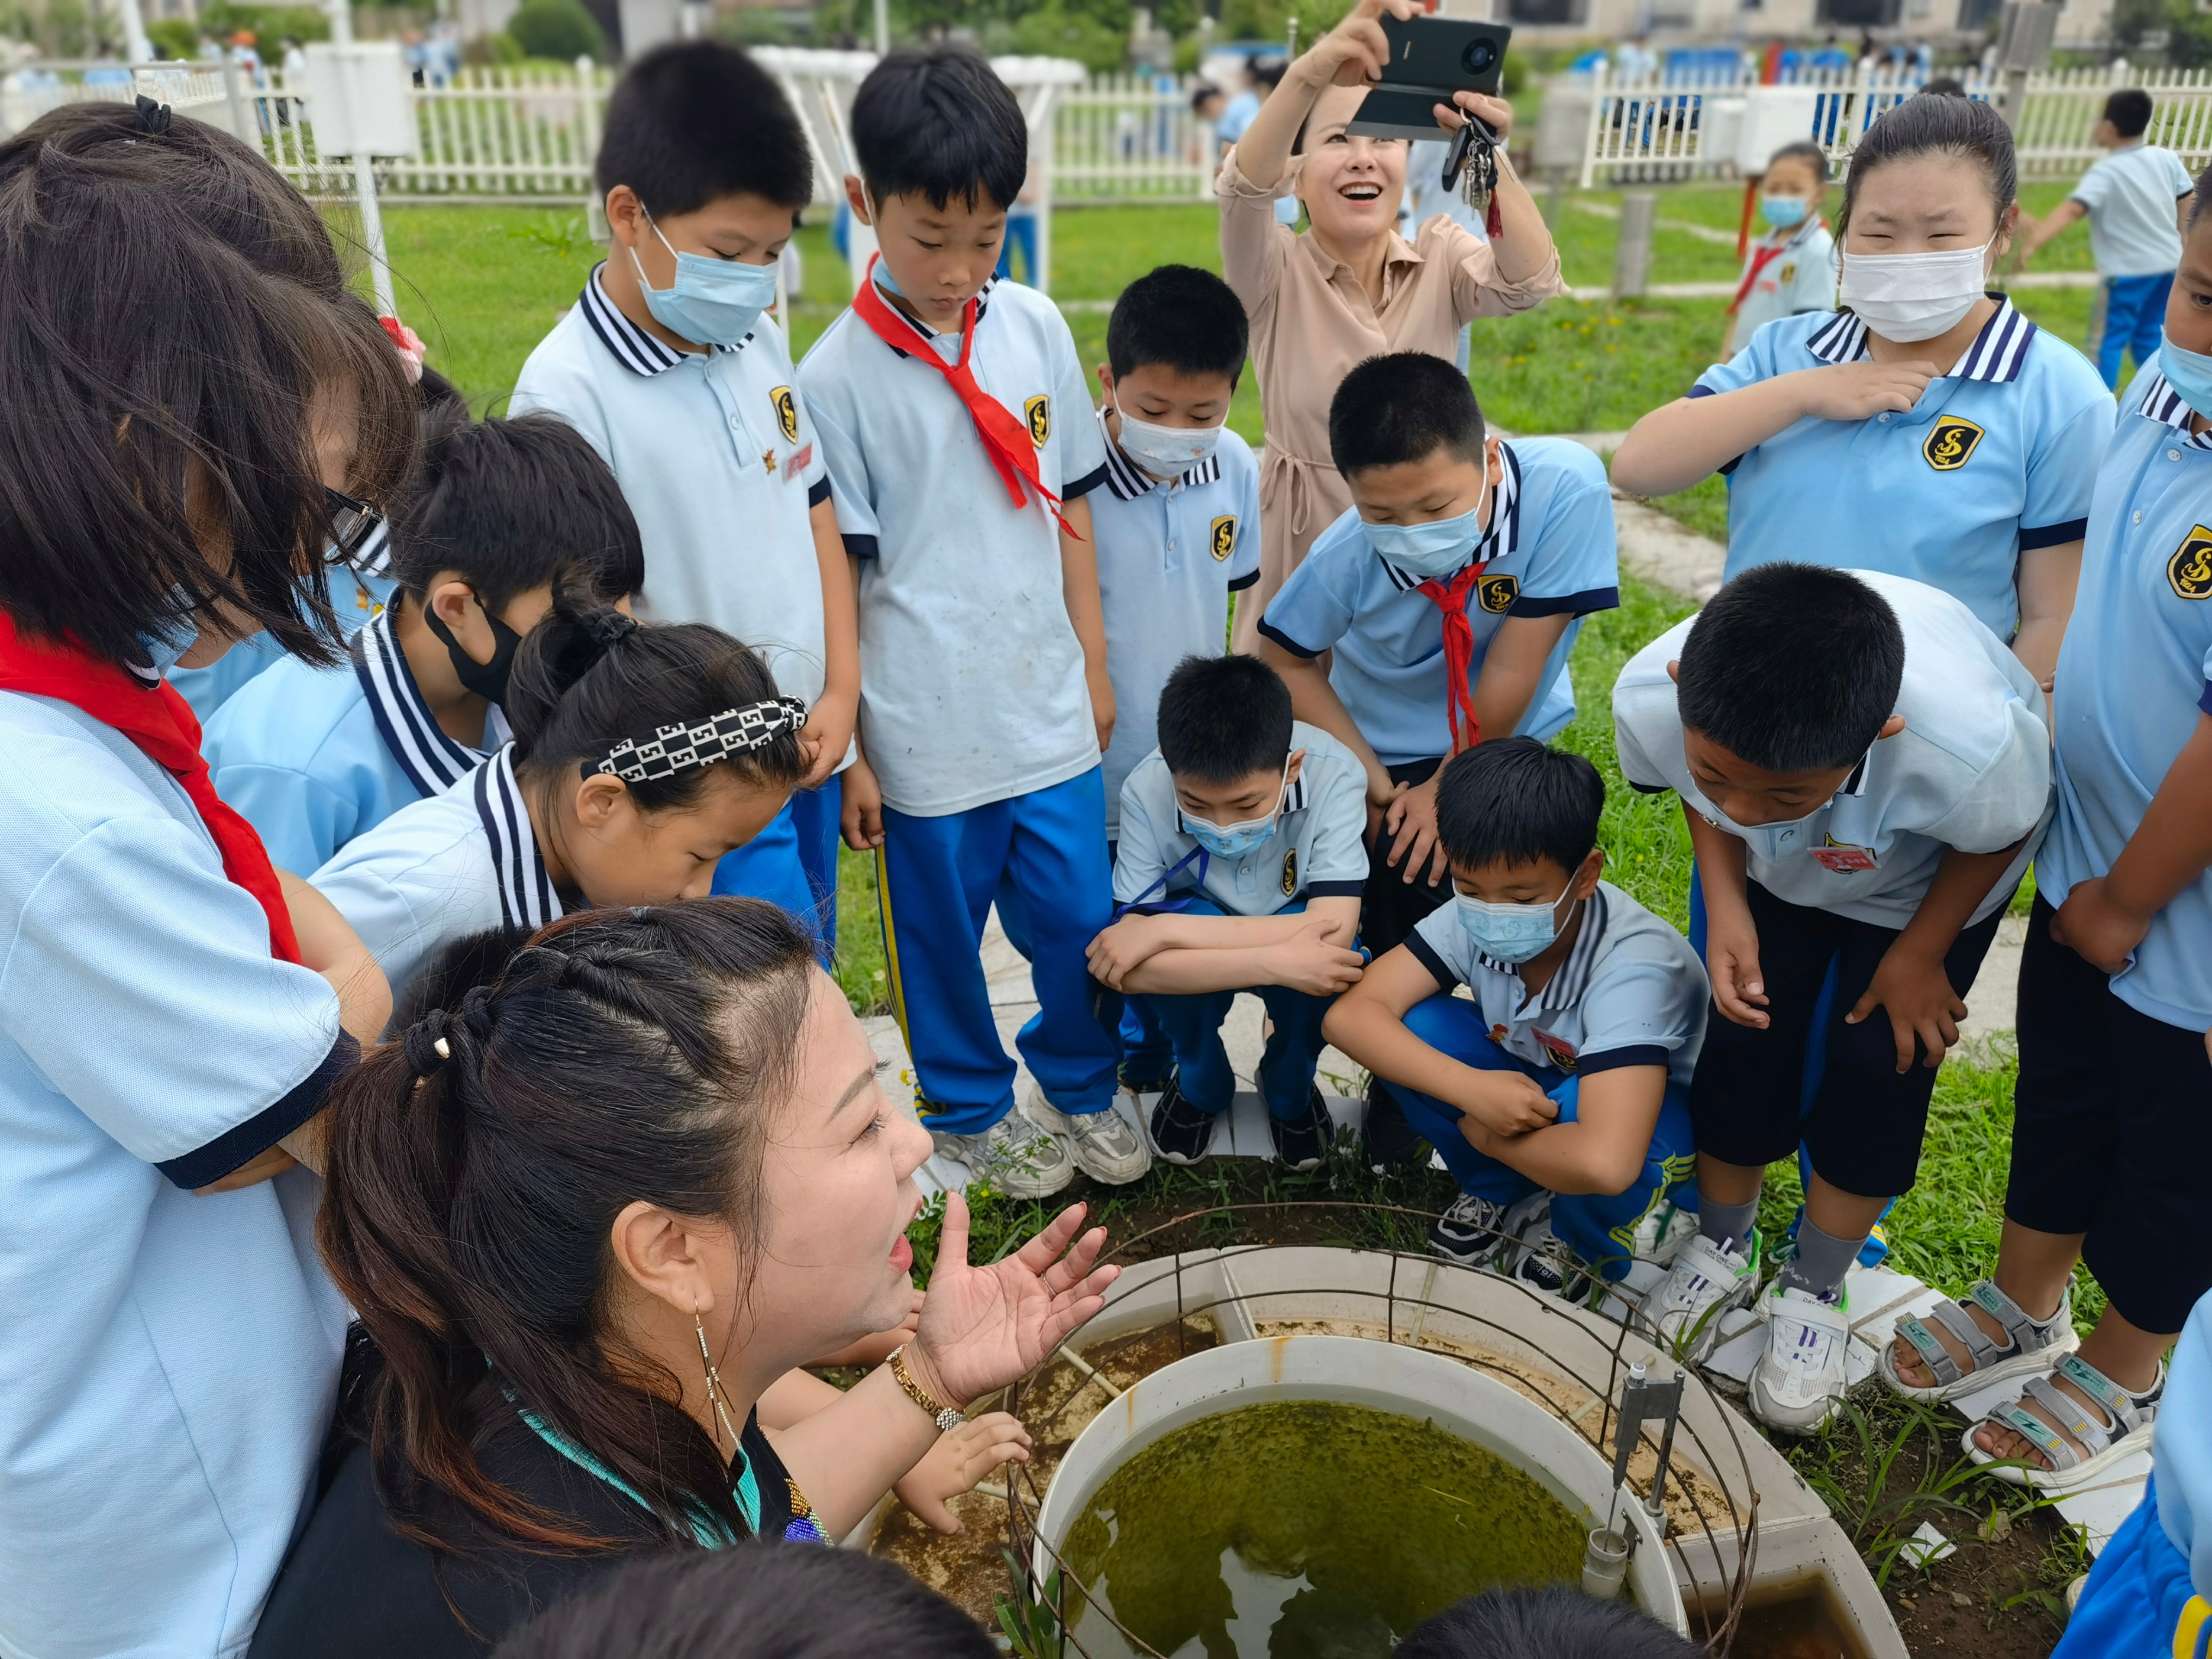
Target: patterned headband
672	748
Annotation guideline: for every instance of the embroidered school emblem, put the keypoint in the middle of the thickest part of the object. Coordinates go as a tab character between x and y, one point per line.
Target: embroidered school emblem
1290	873
1950	443
1497	593
1222	539
2189	569
1560	1051
1840	858
1038	413
787	412
1788	274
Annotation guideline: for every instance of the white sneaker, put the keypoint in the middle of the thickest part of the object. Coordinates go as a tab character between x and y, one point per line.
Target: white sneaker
1800	1381
1015	1155
1706	1280
1106	1148
1662	1234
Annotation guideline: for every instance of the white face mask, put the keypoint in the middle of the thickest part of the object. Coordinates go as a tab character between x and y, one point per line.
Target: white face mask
1165	450
1914	296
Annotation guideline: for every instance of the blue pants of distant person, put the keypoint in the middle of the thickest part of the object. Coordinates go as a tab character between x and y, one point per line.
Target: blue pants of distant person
1816	1066
1599	1227
1147	1056
936	877
2139	1599
1021	233
793	862
2135	320
1192	1025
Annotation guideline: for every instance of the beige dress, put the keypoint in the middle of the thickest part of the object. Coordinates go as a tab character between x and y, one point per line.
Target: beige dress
1312	322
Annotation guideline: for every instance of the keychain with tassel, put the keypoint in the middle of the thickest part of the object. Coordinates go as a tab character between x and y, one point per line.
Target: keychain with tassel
1471	163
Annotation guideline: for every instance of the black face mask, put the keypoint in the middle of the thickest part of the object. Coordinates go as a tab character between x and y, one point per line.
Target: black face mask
487	679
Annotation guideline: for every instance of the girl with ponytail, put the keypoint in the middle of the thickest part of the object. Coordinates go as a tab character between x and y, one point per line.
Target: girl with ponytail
641	755
587	1217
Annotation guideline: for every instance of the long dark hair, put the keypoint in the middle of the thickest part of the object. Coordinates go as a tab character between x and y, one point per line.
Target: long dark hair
620	1057
153	373
1921	125
588	677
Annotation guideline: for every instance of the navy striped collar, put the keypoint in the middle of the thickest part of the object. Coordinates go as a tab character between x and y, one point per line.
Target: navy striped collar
632	347
1998	354
433	761
1572	978
526	898
1128	481
1501	541
2159	402
982	305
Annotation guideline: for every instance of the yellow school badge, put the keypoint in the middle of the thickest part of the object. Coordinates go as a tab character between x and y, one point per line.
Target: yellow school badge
787	412
2189	569
1787	275
1290	873
1038	413
1950	443
1497	593
1223	537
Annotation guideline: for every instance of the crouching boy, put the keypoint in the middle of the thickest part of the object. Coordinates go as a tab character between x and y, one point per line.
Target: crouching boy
1558	1096
1239	868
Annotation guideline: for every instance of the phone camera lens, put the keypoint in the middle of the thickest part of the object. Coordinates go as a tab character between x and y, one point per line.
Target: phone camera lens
1479	58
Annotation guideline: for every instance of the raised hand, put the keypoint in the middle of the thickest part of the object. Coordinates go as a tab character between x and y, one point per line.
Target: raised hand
1861	390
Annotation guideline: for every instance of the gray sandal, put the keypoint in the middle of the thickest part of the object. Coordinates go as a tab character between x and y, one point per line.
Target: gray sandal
2030	1345
2115	1424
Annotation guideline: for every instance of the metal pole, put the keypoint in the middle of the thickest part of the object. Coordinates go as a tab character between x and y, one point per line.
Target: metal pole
372	232
2016	96
341	15
1041	277
1631	258
883	25
137	48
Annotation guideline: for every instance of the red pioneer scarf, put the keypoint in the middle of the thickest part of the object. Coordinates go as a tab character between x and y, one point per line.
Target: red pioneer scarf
1451	597
1005	439
161	723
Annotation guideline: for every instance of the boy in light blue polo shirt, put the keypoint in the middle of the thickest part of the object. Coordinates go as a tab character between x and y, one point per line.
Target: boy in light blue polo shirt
670	366
1239	868
1447	600
507	512
1558	1096
956	419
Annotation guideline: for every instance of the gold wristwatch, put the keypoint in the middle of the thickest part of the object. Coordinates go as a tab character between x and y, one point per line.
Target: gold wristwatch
947	1418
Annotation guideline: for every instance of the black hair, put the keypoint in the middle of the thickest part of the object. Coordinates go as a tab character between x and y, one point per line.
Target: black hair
2203	195
1181	317
697	120
512	505
754	1601
1944	86
1792	667
938	123
1921	125
1269	71
1805	150
1513	800
1224	718
588	677
1556	1622
1402	407
478	1164
1201	92
2129	111
146	360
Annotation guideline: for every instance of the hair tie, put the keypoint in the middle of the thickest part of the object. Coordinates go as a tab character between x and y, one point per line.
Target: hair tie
425	1045
606	625
671	749
476	1011
152	117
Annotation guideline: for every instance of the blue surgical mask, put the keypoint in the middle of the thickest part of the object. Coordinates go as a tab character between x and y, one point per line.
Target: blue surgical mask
713	302
2189	372
1509	933
1430	552
1233	840
166	644
1783	211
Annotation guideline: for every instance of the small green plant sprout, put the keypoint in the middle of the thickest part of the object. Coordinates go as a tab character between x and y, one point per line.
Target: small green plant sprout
1031	1615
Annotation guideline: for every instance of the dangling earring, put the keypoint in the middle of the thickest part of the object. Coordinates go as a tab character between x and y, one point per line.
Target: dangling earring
716	1394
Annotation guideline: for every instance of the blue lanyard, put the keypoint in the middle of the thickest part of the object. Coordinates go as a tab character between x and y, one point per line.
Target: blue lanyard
1161	885
709	1530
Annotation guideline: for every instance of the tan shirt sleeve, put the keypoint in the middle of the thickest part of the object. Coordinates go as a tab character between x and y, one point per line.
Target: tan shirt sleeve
1253	245
1477	289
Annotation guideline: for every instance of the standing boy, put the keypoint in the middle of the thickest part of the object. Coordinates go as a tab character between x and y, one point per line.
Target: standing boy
951	409
669	364
2137	201
1865	770
1447	600
1239	869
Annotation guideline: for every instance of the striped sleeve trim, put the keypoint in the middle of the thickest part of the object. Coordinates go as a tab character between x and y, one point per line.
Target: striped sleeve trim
1283	640
1425	954
235	1148
1613	1059
2053	535
1083	485
1567	605
1335	889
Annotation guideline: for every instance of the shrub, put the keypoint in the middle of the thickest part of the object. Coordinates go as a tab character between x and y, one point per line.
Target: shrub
559	29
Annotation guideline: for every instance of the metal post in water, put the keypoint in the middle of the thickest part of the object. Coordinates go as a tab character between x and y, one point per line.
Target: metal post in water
1632	257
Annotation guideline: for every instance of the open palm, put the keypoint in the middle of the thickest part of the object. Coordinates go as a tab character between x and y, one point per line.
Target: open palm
982	1327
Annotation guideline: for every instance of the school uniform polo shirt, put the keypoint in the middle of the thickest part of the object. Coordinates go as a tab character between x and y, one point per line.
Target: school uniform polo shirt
167	1362
1997	459
1170	555
2133	195
1550	551
1800	277
971	676
441	869
1316	850
355	593
2135	677
1971	769
314	756
719	463
1631	992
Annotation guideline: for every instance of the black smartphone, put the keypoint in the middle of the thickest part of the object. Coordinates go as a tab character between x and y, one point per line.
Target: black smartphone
1430	58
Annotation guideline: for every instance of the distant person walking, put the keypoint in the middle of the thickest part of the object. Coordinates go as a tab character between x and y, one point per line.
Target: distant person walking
2137	202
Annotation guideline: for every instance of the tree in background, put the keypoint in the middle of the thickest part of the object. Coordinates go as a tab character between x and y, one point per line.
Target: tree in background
559	29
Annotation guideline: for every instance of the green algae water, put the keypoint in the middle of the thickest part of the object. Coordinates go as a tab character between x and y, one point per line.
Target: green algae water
1306	1530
